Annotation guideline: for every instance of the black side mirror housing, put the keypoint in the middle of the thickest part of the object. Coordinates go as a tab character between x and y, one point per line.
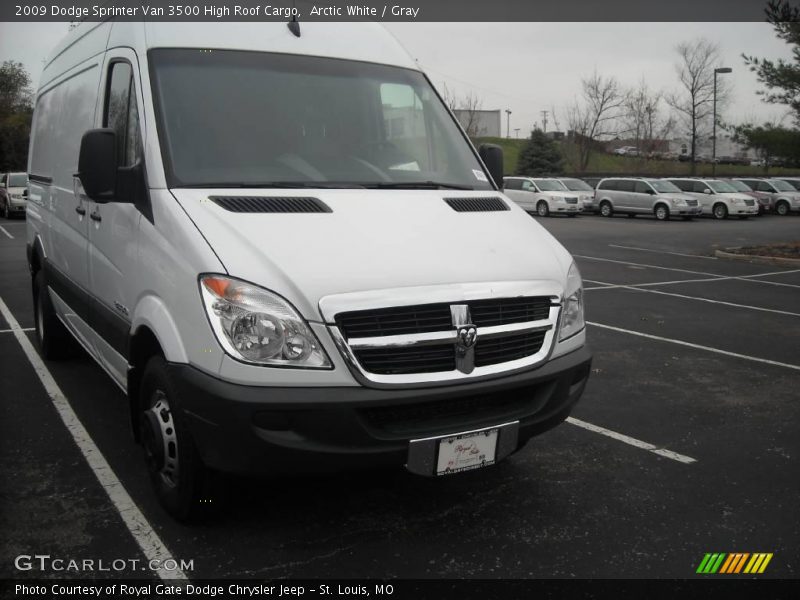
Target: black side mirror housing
97	164
492	157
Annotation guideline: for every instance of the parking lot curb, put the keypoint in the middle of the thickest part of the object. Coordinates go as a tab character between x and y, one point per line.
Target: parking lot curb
762	260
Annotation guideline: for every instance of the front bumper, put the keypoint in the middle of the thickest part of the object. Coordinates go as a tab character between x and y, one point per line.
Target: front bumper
692	211
261	430
17	208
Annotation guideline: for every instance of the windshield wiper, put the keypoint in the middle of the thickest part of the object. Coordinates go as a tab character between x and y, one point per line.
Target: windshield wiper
286	185
416	185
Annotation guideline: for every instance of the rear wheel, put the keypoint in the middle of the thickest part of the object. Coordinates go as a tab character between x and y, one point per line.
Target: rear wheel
661	212
542	209
606	209
183	485
782	208
720	211
54	340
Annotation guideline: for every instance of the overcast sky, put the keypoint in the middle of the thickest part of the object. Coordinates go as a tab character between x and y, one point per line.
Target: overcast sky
530	67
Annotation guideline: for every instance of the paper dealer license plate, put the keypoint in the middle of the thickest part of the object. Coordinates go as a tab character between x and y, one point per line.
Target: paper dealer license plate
466	451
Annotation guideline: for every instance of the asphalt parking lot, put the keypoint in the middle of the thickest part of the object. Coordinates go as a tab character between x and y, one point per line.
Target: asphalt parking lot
687	441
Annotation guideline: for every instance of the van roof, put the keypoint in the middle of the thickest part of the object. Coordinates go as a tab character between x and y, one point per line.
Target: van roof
364	41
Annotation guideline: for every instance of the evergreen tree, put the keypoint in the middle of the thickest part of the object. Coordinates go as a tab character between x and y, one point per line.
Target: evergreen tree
539	156
781	77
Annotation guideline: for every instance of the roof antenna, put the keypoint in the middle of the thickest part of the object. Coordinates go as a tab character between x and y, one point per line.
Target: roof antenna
293	25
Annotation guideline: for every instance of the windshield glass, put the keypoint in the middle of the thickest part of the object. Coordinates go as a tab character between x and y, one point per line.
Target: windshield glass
576	185
781	186
721	187
250	118
740	186
549	185
18	180
665	187
795	183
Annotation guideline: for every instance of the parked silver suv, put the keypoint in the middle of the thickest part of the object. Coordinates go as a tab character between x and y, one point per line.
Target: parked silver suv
785	198
638	196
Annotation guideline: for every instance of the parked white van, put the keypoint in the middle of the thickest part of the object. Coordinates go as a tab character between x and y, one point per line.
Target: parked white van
542	195
288	255
717	198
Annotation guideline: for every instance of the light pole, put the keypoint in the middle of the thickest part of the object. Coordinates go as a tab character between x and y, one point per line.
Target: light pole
714	132
508	122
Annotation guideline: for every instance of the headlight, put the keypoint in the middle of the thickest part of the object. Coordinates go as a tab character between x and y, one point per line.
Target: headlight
257	326
676	201
559	199
572	314
17	197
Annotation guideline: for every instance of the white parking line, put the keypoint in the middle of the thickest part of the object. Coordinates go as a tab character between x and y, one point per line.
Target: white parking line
141	530
13	330
604	286
621	437
697	346
662	252
3	229
713	276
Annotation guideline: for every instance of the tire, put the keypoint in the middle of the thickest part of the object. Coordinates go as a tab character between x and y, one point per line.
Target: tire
719	211
606	209
55	342
185	488
782	208
661	212
542	209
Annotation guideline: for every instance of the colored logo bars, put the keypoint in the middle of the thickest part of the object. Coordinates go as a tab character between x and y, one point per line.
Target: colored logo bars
736	562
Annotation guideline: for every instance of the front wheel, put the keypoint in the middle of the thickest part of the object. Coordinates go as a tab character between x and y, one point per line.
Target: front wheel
606	210
661	212
542	209
720	211
782	208
182	483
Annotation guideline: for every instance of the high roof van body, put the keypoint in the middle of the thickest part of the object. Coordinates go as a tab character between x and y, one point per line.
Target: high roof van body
289	256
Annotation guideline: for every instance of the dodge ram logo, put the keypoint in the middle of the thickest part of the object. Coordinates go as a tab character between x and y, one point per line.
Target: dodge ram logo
466	336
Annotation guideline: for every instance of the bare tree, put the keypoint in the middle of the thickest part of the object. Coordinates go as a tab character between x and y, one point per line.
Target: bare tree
466	109
596	115
643	120
693	103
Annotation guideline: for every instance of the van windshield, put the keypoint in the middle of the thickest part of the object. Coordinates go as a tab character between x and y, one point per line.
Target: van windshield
781	186
550	185
251	119
18	180
576	185
664	187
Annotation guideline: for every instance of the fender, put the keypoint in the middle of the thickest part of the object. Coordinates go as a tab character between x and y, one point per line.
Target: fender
151	312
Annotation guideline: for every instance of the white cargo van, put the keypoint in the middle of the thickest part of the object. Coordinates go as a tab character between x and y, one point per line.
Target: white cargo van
289	256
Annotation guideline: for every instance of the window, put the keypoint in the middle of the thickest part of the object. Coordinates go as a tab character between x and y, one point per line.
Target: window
528	186
683	185
640	187
763	186
699	187
609	184
255	118
625	185
122	115
513	184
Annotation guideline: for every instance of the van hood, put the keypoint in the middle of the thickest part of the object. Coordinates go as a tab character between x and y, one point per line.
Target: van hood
373	240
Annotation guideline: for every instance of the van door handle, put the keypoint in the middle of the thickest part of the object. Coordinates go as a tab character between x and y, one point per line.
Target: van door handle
80	210
95	216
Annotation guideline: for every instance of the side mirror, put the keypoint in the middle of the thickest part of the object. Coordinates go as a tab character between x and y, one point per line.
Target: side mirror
97	164
706	191
492	157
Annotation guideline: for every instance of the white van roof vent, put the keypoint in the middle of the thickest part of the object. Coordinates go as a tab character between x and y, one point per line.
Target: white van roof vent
271	204
485	204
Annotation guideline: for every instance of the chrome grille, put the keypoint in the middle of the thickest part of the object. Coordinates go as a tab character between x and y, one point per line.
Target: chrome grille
749	202
571	200
441	341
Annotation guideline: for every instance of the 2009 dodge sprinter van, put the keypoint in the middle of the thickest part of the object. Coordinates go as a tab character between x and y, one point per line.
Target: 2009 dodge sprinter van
287	253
